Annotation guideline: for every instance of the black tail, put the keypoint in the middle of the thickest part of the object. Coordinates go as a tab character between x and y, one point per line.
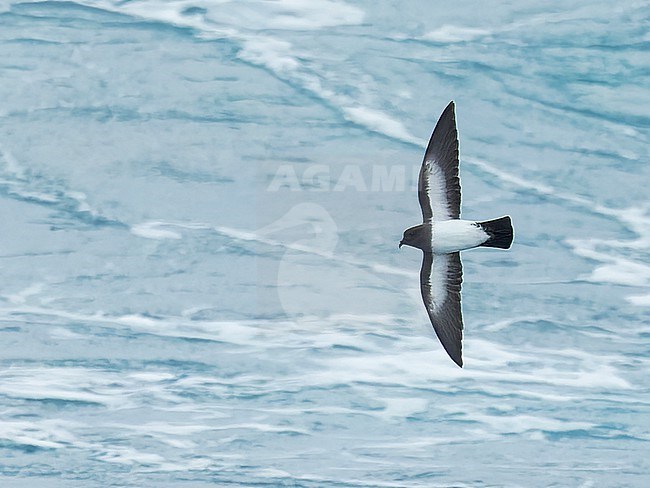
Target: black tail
500	232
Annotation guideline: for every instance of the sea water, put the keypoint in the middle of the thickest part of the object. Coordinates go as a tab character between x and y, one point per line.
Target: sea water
200	206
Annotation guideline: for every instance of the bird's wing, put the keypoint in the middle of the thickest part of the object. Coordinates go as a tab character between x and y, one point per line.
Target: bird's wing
440	281
438	183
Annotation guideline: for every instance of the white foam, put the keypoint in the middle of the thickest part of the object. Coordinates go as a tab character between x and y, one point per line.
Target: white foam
174	435
639	300
152	230
504	324
310	14
327	254
634	218
11	165
273	473
453	33
275	54
67	384
401	408
22	296
129	455
279	57
261	427
116	390
613	269
622	272
151	376
248	24
419	366
379	121
245	332
167	428
510	178
516	424
227	17
159	230
81	199
64	334
44	433
31	186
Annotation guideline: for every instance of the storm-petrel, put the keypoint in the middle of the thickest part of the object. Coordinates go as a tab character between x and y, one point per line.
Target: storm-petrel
442	234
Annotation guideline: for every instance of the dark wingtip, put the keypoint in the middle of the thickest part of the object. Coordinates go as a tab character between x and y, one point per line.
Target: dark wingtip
450	108
455	353
458	360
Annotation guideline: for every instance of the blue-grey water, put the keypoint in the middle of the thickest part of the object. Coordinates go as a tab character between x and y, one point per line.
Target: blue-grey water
200	205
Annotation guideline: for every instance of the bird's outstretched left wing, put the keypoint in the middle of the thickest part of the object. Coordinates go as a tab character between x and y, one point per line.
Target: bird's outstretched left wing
438	183
441	277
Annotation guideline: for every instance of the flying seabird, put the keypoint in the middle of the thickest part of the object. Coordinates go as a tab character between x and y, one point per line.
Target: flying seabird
442	235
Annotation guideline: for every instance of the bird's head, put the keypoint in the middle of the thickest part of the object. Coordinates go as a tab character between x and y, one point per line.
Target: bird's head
413	236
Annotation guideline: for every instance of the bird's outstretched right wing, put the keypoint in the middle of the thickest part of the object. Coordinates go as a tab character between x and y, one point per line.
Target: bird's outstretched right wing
438	183
441	277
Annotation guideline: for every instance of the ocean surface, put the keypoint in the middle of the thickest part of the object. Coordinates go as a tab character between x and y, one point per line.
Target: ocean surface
200	205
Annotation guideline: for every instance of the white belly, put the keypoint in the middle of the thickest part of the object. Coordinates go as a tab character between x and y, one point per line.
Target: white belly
456	235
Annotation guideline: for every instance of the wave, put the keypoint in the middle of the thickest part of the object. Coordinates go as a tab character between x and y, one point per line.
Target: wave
20	183
250	25
160	230
374	366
